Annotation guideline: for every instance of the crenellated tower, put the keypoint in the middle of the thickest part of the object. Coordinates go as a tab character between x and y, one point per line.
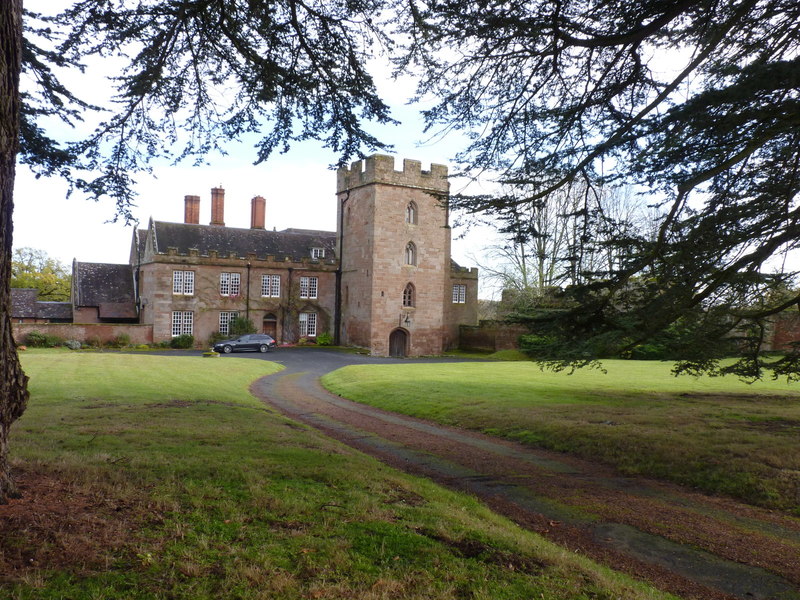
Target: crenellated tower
394	241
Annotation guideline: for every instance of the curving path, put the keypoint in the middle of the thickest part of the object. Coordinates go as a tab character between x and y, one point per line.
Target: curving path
692	545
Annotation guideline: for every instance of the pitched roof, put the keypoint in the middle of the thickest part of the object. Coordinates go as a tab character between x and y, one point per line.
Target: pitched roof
61	311
293	243
95	284
23	303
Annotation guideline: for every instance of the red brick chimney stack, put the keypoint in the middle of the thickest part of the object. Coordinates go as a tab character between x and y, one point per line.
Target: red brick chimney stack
218	206
191	209
257	212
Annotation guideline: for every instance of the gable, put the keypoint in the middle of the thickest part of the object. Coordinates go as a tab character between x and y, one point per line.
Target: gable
95	284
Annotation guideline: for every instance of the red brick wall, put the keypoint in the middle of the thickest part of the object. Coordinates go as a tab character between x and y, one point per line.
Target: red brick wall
786	330
139	334
491	335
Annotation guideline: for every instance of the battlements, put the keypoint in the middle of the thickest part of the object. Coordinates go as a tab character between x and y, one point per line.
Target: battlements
463	272
379	168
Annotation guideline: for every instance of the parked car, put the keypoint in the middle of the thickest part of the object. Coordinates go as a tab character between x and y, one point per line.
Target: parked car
257	342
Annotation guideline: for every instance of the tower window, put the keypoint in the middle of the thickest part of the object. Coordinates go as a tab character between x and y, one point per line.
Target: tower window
411	213
408	296
459	293
411	254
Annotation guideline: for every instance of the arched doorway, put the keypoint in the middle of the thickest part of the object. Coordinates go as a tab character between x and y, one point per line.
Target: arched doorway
398	343
270	325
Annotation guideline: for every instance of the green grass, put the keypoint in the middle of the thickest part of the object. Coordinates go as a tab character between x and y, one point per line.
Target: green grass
230	500
717	434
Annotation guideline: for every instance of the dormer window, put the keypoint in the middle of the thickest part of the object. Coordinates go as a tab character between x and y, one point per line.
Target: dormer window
318	253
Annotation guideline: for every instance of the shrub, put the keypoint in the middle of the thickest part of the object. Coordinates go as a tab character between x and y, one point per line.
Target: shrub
654	351
535	345
182	341
325	339
73	344
36	339
216	337
94	342
241	326
121	341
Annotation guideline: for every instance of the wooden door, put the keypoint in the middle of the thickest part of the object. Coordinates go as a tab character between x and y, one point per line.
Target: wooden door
270	326
398	343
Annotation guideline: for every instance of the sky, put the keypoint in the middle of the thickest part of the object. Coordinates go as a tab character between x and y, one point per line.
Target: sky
299	188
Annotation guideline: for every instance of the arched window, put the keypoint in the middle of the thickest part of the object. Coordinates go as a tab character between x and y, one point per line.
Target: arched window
411	254
411	213
408	295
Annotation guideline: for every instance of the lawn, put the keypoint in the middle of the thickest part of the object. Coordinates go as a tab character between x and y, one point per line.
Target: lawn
720	435
167	479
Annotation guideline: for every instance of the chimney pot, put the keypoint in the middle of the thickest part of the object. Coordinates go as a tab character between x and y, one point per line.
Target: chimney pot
257	212
218	206
191	209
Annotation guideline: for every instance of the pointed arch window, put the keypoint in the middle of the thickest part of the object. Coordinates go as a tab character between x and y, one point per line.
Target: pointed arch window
411	213
409	296
411	254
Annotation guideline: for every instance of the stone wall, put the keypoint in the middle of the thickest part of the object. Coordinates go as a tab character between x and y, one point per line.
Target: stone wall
207	303
374	197
491	335
457	314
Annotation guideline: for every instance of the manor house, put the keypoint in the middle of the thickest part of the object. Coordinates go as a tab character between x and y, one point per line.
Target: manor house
383	281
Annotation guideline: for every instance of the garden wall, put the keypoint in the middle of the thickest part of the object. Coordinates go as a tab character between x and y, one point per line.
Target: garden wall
491	335
105	332
786	330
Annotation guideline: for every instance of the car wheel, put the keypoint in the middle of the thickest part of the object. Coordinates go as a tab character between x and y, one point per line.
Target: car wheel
263	348
227	349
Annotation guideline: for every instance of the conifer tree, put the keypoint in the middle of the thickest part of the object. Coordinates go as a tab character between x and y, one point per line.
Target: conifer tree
194	75
694	102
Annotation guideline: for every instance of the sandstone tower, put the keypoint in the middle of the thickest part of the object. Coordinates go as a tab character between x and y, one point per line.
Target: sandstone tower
396	273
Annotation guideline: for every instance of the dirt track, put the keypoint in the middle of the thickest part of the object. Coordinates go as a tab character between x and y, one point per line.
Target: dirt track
692	545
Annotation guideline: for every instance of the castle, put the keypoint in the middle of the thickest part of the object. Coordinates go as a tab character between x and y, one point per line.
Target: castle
383	281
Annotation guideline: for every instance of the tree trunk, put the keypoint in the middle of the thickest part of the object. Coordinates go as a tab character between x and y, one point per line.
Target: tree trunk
13	382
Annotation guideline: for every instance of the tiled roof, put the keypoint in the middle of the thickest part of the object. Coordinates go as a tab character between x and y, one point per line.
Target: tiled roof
99	283
23	303
61	311
293	243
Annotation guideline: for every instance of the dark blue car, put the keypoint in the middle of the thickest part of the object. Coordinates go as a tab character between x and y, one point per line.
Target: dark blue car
256	342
